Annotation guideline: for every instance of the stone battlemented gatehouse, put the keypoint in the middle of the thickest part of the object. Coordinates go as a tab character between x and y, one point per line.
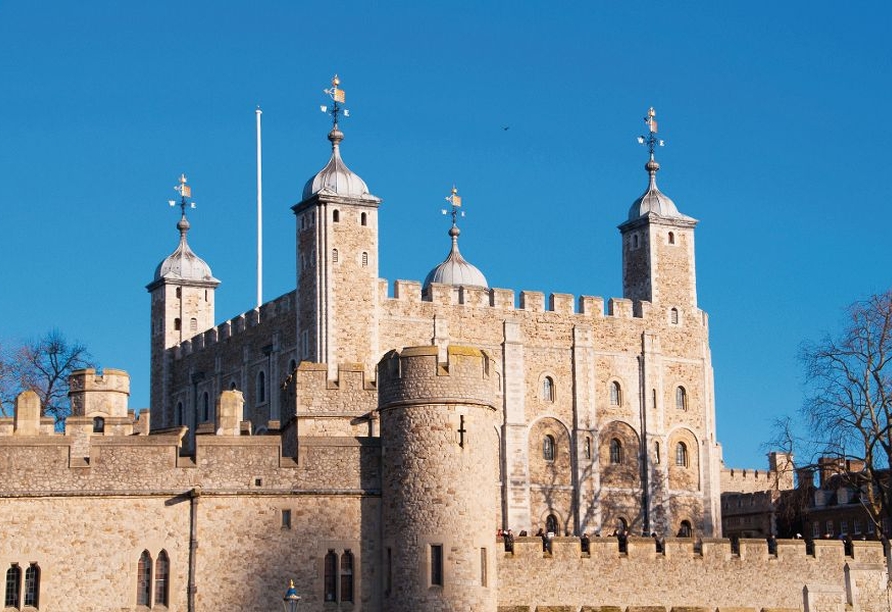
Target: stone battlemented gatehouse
369	445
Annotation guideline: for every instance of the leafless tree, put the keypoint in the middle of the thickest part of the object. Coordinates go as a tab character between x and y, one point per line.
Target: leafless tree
848	407
42	365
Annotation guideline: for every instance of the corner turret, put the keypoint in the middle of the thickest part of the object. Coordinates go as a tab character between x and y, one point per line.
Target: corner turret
440	449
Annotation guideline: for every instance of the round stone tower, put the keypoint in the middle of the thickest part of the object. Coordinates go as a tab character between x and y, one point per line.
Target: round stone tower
440	469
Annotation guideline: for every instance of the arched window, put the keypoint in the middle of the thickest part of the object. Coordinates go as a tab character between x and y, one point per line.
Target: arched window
548	448
179	292
32	586
162	579
681	455
193	324
551	524
334	256
681	398
233	386
13	586
622	525
616	394
363	220
671	237
616	451
261	387
547	389
673	316
331	568
98	425
335	215
365	259
205	406
685	530
347	576
144	580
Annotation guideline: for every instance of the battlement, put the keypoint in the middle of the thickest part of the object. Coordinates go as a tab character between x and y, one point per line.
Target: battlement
529	301
778	476
103	392
416	375
749	576
281	306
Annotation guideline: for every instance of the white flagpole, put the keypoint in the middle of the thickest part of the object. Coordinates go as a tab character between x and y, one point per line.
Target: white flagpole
258	112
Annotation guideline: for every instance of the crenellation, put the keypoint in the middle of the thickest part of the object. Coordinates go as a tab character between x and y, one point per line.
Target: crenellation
591	306
502	299
407	291
532	301
620	308
561	303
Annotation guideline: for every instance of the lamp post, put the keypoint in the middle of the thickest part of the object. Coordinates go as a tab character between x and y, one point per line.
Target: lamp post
289	602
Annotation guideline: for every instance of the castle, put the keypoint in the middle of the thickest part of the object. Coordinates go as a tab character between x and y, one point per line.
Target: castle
367	443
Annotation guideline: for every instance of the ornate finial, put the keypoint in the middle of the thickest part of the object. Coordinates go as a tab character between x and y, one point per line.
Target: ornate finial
185	192
337	96
455	202
651	141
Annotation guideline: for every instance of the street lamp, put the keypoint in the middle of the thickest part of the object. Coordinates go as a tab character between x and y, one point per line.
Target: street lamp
289	602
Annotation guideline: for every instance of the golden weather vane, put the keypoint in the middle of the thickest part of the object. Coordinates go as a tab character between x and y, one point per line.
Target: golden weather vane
185	192
338	97
651	141
455	202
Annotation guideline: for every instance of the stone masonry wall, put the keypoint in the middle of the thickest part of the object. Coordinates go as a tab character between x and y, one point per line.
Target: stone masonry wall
682	577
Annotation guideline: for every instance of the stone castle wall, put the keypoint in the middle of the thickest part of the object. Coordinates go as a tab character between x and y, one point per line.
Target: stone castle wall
684	577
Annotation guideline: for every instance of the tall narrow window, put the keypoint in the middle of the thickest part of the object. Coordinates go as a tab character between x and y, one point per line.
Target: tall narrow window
162	579
261	387
179	292
437	564
548	448
205	406
32	586
681	455
334	256
588	447
681	398
286	519
335	215
656	452
673	316
193	324
547	389
13	584
347	576
483	567
292	365
144	580
179	413
331	568
363	219
616	394
388	579
551	524
176	324
365	259
616	451
671	237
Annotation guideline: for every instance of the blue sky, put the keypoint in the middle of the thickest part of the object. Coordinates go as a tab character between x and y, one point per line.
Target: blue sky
773	114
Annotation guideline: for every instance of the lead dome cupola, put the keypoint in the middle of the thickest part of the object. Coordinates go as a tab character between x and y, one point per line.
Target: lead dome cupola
653	200
336	178
455	270
183	263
